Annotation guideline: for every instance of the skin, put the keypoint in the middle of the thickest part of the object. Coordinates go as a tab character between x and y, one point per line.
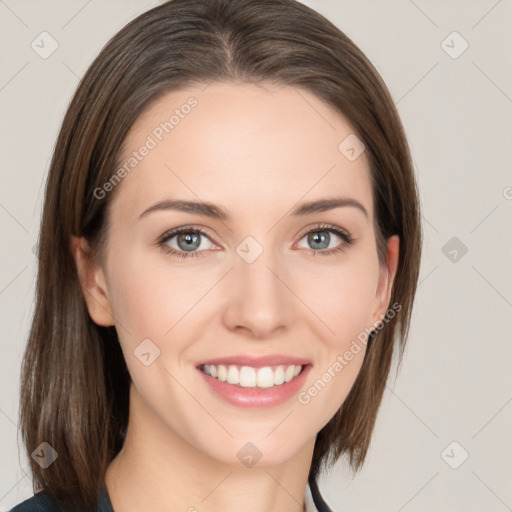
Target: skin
257	151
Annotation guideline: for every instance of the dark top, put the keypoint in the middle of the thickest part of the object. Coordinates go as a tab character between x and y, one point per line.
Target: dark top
41	502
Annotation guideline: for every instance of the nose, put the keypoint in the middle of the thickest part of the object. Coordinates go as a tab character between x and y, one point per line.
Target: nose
260	303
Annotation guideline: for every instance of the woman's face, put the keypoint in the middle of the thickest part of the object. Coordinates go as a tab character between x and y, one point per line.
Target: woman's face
270	281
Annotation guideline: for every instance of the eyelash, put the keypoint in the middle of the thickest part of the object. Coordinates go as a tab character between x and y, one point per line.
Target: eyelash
344	235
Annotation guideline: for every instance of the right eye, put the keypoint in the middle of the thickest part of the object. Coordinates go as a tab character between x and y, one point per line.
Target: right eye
184	242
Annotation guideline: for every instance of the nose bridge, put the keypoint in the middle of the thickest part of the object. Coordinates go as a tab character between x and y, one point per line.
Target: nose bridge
258	299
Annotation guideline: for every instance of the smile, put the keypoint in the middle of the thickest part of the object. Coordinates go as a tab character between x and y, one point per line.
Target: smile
255	381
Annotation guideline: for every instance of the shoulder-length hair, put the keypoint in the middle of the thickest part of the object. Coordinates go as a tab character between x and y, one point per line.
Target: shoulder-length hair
74	382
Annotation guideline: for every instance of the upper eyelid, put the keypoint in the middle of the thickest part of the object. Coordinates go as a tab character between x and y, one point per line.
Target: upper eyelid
323	227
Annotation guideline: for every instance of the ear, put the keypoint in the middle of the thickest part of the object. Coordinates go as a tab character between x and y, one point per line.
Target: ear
387	275
92	280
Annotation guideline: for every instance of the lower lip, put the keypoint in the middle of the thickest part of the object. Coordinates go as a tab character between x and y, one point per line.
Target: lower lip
256	397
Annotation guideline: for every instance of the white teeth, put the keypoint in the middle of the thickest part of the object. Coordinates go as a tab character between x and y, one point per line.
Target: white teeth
288	374
279	375
265	377
222	373
233	375
249	377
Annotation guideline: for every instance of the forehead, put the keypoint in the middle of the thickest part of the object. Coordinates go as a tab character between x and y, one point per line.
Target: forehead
245	146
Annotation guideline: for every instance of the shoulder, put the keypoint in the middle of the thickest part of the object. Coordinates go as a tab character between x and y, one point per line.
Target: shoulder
40	502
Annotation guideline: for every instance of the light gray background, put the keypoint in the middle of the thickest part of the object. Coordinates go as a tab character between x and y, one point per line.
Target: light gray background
455	383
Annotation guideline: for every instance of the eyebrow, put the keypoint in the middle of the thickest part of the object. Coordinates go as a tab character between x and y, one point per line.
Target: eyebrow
216	212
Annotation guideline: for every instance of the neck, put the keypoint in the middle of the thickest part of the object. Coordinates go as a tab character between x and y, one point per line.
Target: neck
157	470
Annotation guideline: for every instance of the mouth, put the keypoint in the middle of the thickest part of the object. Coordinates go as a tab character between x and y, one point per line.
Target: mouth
251	377
255	381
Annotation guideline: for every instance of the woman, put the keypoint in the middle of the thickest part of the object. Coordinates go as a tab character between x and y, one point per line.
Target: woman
228	258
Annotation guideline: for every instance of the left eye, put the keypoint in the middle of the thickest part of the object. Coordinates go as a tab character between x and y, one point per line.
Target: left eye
321	239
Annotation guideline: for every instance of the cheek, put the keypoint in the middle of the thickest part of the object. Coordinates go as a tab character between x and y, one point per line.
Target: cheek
345	305
150	303
342	297
149	299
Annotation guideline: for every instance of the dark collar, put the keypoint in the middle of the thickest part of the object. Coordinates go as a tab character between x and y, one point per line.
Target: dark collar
104	504
320	504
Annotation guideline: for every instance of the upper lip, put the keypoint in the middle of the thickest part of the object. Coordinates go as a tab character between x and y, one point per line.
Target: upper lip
257	361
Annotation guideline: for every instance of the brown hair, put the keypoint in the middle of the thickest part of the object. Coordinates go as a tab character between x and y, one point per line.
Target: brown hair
75	383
